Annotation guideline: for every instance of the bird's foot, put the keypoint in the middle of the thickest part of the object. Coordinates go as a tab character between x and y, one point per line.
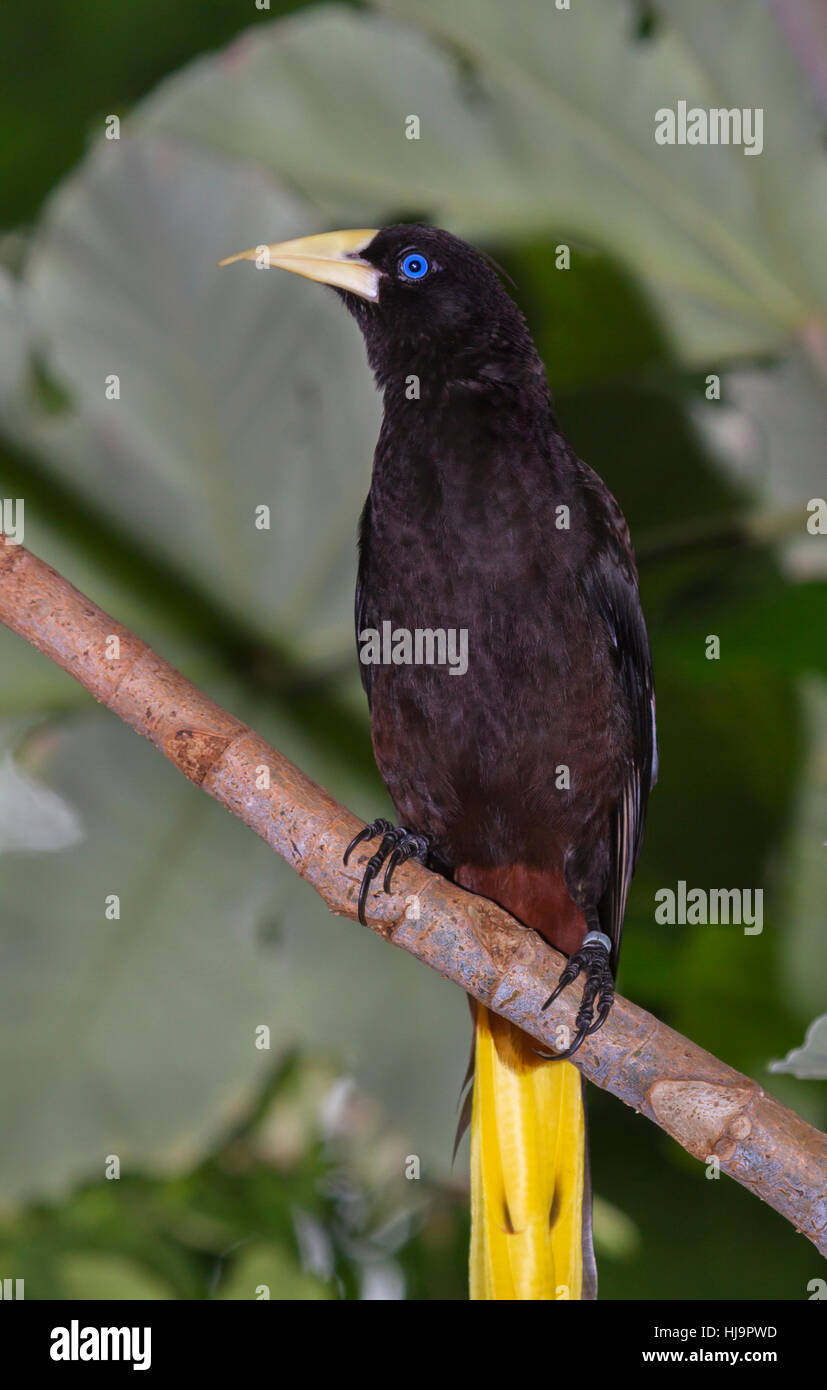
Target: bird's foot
399	843
594	957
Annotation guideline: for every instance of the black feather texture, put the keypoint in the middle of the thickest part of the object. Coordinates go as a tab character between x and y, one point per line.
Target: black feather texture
481	518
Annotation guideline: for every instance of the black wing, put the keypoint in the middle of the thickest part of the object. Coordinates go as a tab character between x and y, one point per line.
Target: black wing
614	591
362	621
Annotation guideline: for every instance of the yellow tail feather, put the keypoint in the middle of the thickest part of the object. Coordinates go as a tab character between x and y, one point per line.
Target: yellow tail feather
527	1169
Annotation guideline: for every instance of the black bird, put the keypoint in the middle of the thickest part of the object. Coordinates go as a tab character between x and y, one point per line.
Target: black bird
525	777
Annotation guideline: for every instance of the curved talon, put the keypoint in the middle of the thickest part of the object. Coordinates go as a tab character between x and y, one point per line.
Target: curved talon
397	857
409	846
399	843
363	896
376	827
357	840
597	999
367	879
372	868
569	974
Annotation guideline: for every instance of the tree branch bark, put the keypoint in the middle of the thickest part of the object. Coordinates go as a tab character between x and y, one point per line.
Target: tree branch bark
710	1109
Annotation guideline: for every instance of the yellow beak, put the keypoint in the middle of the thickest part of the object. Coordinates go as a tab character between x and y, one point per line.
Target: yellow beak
332	259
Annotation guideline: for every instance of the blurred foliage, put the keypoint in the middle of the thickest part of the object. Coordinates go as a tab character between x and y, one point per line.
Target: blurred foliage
134	1037
310	1171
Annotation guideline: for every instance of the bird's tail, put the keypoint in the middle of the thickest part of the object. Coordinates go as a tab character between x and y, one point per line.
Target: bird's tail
530	1203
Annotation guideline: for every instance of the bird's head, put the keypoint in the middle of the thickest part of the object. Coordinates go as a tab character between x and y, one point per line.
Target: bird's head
424	299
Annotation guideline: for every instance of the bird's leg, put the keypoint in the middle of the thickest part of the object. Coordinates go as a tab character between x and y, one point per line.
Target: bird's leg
594	958
399	843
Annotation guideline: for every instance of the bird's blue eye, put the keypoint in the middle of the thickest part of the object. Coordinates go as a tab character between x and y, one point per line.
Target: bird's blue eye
414	266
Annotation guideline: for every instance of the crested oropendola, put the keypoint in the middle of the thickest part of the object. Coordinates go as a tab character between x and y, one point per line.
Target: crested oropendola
525	778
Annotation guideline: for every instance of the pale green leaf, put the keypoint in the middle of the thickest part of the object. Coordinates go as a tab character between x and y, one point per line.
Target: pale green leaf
810	1060
238	388
533	118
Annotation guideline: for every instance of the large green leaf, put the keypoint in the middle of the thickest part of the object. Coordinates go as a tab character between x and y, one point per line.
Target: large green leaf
130	1036
32	816
532	117
768	431
236	390
136	1036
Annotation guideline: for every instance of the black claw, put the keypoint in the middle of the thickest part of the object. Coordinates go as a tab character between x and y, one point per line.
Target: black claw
396	858
598	994
603	1012
570	973
377	827
409	846
399	843
372	868
367	879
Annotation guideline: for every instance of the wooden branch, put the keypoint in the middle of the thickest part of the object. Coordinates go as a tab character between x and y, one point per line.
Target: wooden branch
707	1107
